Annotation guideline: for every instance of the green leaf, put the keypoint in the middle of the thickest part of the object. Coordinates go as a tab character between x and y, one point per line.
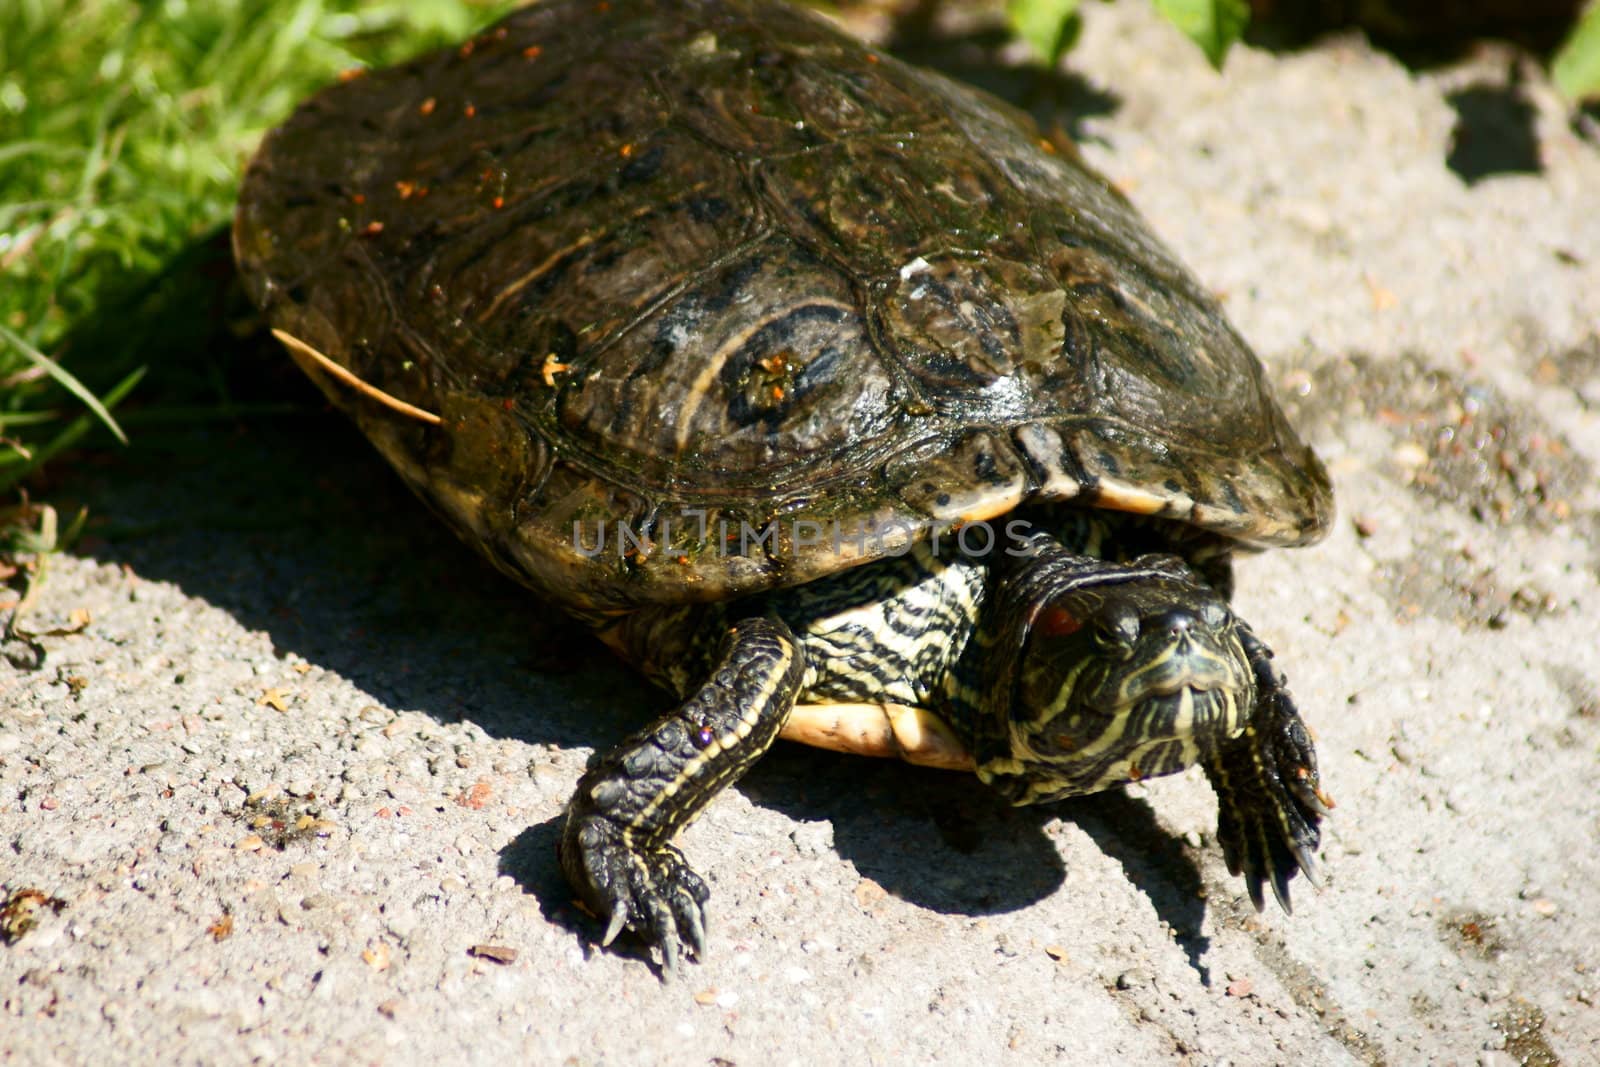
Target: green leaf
1049	26
1214	25
1576	66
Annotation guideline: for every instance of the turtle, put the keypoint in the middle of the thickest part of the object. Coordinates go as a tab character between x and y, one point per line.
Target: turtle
826	390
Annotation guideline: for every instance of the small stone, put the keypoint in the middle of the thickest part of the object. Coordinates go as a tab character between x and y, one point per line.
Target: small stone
868	893
1544	906
1411	455
1240	988
1135	978
494	953
475	796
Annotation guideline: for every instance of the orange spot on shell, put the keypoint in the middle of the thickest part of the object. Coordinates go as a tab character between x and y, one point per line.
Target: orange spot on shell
551	368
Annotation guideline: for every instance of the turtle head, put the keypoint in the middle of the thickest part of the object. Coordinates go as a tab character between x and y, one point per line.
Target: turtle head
1125	671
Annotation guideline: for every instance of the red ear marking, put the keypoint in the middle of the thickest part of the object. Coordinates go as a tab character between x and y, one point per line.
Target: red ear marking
1056	622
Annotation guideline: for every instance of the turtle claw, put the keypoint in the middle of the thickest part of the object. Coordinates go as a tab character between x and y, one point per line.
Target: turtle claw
619	920
1269	792
1307	862
1280	889
652	893
1267	834
1256	899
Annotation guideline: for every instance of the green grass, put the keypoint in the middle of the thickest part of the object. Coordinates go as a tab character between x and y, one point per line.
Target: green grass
123	130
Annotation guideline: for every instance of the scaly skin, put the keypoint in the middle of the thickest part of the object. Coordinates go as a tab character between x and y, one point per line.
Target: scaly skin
1062	671
616	848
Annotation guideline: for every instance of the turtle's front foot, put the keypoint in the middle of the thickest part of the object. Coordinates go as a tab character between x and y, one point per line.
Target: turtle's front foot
1268	790
616	846
650	892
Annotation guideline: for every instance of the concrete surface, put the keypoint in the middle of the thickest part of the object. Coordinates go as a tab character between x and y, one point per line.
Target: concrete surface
284	650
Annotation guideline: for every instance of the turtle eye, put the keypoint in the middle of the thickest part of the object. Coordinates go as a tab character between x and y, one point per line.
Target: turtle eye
1116	627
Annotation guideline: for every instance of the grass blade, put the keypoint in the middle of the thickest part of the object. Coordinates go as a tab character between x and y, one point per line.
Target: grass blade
65	379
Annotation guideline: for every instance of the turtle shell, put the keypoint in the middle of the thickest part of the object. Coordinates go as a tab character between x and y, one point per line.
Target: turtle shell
710	299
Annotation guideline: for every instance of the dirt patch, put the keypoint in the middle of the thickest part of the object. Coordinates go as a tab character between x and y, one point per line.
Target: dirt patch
1455	439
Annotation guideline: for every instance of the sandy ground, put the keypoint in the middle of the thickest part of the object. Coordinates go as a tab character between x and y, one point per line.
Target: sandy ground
285	651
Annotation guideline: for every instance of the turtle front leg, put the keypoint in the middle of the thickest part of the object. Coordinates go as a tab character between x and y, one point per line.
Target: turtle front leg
616	846
1268	791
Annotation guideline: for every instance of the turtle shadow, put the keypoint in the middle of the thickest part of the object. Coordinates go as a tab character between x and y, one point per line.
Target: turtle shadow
946	842
1159	865
937	839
